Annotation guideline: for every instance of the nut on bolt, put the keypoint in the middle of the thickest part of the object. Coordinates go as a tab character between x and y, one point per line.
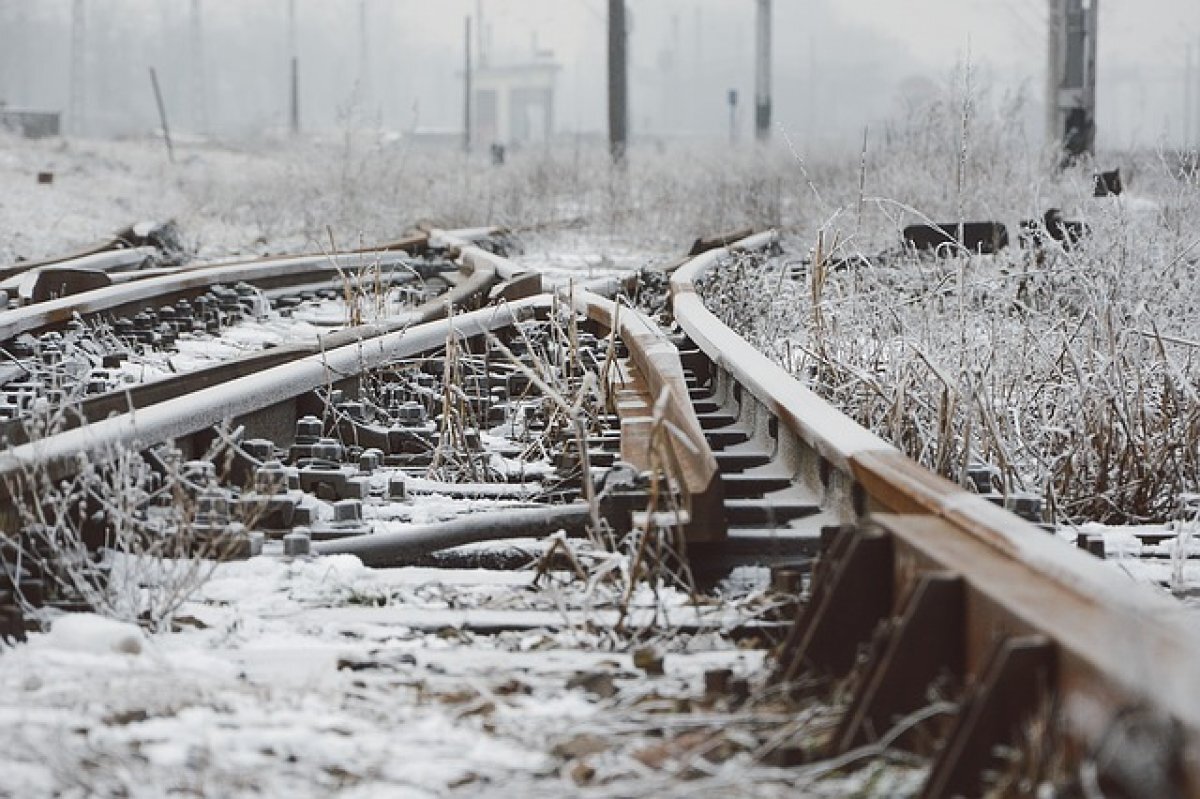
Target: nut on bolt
298	543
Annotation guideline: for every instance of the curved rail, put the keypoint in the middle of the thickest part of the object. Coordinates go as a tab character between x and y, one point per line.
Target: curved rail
164	287
466	294
939	579
251	400
652	395
1022	617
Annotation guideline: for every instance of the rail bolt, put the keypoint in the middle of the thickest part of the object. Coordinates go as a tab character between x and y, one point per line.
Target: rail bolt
347	511
308	430
787	579
397	488
261	449
271	478
370	460
200	472
328	449
256	539
297	543
983	476
716	682
355	410
411	413
1027	506
212	506
497	414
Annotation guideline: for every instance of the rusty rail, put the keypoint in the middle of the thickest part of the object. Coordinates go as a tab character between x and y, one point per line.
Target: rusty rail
469	293
920	583
166	286
652	399
253	401
944	582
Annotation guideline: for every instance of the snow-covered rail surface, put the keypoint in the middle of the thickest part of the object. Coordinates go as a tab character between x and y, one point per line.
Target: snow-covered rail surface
933	621
164	333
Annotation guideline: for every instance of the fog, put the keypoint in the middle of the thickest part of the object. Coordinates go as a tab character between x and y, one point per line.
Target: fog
397	65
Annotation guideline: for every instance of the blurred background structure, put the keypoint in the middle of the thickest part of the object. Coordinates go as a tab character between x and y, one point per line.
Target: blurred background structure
236	68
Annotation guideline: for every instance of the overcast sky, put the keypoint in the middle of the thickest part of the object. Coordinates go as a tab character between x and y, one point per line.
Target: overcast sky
839	64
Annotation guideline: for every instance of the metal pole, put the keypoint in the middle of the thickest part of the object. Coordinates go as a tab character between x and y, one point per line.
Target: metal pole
762	75
618	82
1054	69
294	70
733	100
1195	103
291	32
1089	89
162	114
481	45
8	42
364	55
295	109
467	85
1071	75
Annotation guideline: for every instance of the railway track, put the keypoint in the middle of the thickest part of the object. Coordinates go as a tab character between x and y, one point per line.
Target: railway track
924	617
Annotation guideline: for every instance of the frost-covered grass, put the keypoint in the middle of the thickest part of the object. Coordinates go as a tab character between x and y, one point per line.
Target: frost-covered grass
1072	370
271	196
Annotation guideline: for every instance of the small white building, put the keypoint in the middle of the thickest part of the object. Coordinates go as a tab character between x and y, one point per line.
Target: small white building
513	105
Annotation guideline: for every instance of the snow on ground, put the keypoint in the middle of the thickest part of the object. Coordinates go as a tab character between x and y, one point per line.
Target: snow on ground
100	187
567	255
255	693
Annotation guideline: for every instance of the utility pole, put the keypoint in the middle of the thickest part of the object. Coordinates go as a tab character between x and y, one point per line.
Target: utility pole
467	85
733	101
77	101
294	70
1195	126
8	41
618	82
762	74
1071	75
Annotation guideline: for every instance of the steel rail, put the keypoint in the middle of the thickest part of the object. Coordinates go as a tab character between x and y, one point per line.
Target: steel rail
252	400
163	288
123	240
654	395
1026	620
467	294
389	550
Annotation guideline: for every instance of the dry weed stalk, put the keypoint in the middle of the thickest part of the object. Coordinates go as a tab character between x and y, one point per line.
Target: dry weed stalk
123	535
1070	392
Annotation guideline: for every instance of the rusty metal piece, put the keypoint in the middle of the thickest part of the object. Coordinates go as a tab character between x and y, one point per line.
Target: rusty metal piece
388	550
655	383
1016	685
925	642
852	593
